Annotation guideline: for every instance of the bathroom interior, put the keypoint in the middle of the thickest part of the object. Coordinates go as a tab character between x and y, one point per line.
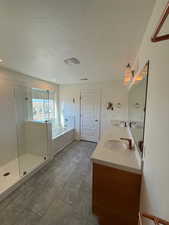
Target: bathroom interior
88	109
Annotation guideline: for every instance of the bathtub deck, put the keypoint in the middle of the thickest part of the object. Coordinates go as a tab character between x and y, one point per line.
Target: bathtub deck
59	132
60	193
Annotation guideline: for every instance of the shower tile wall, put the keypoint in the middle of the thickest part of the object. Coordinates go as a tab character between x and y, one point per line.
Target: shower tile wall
15	108
24	144
8	137
9	168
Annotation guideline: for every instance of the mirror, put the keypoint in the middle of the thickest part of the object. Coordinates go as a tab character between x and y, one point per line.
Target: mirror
137	106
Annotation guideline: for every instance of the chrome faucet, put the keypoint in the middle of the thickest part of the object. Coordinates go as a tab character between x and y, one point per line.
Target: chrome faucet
124	123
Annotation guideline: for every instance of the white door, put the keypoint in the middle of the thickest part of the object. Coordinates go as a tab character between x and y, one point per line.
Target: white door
90	115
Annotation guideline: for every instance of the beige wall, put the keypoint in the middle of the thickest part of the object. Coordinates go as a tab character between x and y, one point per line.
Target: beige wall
113	91
8	132
155	190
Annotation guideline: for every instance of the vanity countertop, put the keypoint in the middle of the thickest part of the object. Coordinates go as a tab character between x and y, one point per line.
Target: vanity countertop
112	152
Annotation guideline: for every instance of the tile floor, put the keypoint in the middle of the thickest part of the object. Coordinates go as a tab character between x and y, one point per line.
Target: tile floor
59	194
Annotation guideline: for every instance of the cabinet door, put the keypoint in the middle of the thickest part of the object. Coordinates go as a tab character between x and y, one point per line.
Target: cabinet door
116	194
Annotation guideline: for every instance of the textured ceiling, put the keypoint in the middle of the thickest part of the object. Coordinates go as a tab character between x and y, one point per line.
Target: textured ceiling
37	35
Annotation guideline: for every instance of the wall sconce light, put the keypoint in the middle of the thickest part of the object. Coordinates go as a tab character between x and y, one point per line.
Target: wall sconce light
110	106
118	105
139	78
128	75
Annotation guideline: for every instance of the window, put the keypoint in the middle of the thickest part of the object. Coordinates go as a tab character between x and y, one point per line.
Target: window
44	106
40	108
52	115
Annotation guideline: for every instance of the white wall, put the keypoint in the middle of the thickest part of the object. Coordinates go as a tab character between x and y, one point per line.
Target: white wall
8	141
155	189
113	91
8	132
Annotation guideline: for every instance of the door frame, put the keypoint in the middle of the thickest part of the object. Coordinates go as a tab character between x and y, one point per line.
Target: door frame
97	90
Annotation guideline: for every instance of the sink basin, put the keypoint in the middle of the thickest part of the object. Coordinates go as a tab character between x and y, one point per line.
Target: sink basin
115	145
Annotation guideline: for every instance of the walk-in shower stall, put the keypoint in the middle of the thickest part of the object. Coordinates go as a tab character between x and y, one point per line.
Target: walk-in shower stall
25	134
30	132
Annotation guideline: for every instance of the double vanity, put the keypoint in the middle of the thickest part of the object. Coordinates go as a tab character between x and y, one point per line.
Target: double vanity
116	179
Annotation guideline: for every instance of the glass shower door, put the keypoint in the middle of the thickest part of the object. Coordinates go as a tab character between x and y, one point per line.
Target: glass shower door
32	127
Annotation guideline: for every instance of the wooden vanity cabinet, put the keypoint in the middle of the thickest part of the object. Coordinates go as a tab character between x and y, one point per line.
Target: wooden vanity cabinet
116	195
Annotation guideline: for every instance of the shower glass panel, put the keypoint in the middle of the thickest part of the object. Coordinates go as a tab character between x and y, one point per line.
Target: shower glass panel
53	112
40	105
32	112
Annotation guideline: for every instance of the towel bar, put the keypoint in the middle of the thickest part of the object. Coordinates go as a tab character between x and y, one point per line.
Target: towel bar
156	220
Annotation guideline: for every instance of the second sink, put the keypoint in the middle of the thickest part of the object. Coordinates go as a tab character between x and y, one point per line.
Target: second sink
115	145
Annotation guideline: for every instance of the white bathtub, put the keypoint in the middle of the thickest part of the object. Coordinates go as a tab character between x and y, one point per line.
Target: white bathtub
61	137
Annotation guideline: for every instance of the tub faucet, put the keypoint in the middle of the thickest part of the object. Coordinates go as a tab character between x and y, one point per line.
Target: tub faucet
129	141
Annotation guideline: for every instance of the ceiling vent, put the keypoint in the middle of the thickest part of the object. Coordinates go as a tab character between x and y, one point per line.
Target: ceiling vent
84	79
71	61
